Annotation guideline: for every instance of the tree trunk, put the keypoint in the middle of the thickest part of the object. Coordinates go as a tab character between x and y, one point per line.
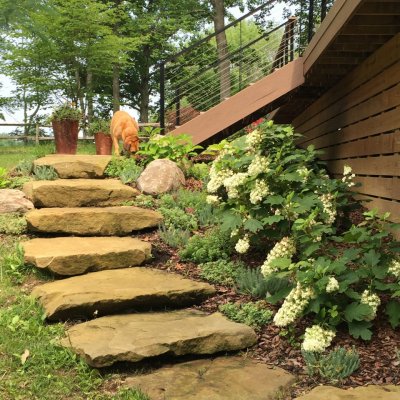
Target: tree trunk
89	89
222	49
116	92
145	86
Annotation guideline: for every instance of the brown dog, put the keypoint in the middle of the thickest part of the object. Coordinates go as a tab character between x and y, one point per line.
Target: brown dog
124	127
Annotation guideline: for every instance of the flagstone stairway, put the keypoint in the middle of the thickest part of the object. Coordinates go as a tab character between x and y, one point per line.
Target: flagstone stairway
132	312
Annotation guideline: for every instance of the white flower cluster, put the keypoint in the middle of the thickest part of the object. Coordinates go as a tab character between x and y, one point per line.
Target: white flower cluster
243	245
328	207
373	301
348	176
317	339
254	139
394	268
285	248
233	182
217	178
258	165
303	172
211	199
333	285
259	191
293	306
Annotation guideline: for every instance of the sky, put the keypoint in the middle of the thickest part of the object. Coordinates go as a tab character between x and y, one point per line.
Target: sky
17	115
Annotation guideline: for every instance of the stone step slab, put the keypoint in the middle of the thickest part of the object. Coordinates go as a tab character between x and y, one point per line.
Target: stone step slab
92	221
79	193
224	378
74	255
109	292
76	166
372	392
136	337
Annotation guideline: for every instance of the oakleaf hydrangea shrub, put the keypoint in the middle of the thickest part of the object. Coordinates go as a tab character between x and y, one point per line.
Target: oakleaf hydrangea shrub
276	196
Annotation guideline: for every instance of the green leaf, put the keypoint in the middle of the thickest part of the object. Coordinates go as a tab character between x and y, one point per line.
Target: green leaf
278	296
274	200
393	312
311	249
360	330
357	311
230	221
253	225
273	219
372	258
351	254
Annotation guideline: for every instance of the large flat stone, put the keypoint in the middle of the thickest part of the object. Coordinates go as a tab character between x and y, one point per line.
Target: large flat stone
109	292
76	166
92	221
75	255
79	193
135	337
224	378
372	392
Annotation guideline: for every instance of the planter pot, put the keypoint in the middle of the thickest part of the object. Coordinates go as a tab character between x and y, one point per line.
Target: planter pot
66	136
103	143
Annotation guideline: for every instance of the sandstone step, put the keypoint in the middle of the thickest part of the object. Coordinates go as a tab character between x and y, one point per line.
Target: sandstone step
79	193
75	255
109	292
373	392
76	166
92	221
224	378
135	337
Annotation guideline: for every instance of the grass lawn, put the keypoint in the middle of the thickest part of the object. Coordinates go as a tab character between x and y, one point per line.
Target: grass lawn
11	155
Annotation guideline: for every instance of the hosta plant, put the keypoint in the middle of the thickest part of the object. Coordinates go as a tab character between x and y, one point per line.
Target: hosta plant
278	198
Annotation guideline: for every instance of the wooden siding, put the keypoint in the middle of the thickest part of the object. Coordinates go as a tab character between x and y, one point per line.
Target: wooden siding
357	123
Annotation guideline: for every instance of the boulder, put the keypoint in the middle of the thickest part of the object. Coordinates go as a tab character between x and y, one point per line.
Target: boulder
136	337
92	221
79	193
14	201
74	255
224	378
76	166
109	292
160	176
372	392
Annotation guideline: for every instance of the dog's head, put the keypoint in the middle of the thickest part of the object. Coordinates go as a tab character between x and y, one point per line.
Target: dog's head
131	143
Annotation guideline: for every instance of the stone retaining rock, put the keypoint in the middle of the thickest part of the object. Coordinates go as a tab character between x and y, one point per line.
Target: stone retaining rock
91	221
76	166
224	378
75	255
372	392
14	201
79	193
109	292
105	341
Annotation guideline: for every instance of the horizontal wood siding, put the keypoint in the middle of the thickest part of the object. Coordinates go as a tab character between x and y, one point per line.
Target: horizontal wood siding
357	123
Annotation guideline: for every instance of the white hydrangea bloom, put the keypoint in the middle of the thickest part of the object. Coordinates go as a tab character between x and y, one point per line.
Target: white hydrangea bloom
394	268
333	285
303	172
328	207
217	178
254	139
259	192
283	249
234	232
243	245
373	301
259	165
212	199
348	176
233	182
317	339
293	306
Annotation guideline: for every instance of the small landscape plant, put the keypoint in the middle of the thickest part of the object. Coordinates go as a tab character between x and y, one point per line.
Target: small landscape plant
142	200
66	111
335	366
178	218
12	224
125	169
252	314
200	171
99	125
223	272
44	173
24	168
174	237
4	178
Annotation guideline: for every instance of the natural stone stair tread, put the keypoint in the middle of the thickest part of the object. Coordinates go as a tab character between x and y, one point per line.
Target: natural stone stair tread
78	192
109	292
76	166
135	337
224	378
92	221
373	392
77	255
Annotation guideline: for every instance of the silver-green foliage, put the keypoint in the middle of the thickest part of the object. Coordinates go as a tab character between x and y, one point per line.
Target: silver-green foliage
173	237
252	314
334	366
45	173
178	218
12	224
131	174
221	271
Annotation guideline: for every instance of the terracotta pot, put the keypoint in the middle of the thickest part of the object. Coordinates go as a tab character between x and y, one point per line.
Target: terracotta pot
103	143
66	136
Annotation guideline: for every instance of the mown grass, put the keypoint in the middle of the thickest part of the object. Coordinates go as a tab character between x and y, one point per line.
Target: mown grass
32	363
11	155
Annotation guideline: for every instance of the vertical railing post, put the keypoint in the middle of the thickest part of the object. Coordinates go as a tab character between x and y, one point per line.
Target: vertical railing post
178	108
323	9
240	55
291	36
162	97
310	20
